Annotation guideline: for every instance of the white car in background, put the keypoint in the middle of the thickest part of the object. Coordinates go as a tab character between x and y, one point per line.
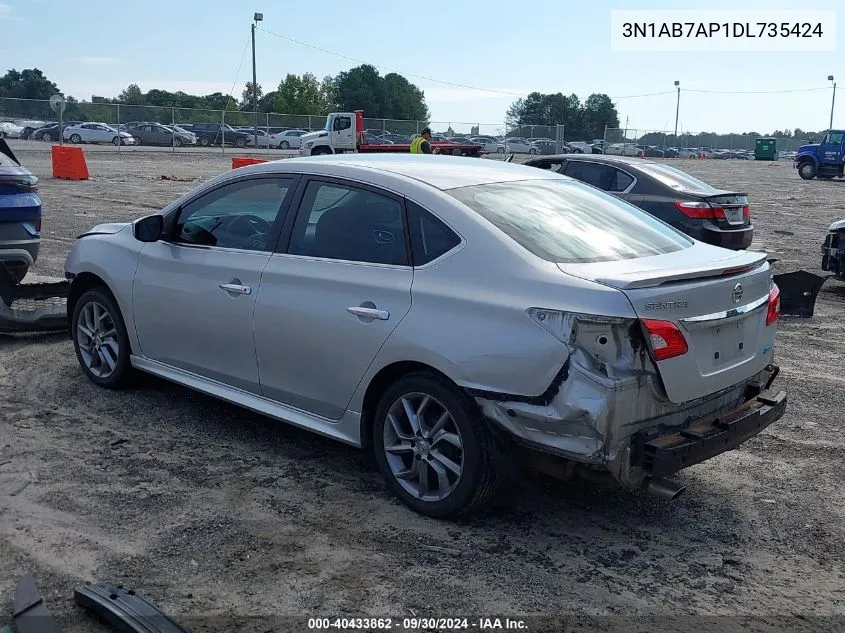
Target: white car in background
264	140
516	145
10	130
96	133
623	149
289	139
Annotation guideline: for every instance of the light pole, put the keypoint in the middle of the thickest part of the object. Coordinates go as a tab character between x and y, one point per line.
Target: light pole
677	109
832	101
258	17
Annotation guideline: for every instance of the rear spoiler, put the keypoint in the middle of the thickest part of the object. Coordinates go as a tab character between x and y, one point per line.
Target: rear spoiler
659	277
5	149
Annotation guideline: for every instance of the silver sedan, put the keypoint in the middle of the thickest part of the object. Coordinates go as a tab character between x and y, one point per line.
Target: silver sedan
453	315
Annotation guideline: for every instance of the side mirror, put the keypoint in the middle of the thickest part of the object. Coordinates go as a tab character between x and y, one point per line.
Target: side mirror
148	229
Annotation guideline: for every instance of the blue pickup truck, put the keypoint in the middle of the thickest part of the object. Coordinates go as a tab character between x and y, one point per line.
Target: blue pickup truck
822	160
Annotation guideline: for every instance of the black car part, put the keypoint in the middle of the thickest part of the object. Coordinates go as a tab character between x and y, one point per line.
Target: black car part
124	609
38	307
798	292
29	612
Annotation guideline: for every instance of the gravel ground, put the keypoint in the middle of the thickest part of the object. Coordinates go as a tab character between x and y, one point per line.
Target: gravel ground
219	514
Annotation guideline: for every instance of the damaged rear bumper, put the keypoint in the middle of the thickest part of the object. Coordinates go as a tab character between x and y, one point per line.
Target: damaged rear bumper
626	428
660	454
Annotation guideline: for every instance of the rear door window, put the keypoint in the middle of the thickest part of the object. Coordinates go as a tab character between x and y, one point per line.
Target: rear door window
605	177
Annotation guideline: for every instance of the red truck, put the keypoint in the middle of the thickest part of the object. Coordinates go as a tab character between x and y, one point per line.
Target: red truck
344	133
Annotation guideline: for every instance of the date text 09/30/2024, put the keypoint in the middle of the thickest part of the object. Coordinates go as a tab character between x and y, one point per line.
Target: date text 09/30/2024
417	624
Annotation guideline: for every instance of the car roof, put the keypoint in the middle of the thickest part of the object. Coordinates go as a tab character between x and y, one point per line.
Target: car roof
599	158
438	171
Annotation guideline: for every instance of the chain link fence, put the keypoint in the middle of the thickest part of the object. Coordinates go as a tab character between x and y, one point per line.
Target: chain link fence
664	144
187	130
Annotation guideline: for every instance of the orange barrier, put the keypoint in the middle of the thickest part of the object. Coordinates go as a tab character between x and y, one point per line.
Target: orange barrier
240	161
69	163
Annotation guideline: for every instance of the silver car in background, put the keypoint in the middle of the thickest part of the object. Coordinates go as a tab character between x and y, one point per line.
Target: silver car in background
452	315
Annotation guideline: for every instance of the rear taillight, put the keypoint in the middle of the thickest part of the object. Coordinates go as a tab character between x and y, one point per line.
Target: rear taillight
697	210
667	341
773	314
704	211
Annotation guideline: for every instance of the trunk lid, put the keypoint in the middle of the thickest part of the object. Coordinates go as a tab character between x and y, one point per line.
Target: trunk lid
730	208
717	298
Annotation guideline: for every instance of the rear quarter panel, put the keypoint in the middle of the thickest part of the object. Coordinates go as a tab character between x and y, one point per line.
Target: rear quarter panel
468	314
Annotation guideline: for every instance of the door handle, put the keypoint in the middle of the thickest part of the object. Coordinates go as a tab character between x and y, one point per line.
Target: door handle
369	313
236	288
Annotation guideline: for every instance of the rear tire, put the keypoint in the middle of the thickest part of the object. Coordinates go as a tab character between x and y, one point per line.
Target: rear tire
500	150
240	143
46	137
449	434
204	141
807	170
100	339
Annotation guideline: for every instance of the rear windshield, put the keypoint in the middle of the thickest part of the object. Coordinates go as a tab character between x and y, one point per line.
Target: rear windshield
566	221
675	178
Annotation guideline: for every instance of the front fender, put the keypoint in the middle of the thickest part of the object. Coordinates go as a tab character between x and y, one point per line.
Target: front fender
113	258
807	156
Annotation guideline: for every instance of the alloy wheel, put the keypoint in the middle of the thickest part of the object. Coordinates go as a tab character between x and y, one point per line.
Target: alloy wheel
423	447
98	339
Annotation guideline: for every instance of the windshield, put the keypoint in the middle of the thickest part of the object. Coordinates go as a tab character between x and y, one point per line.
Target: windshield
328	127
565	221
675	178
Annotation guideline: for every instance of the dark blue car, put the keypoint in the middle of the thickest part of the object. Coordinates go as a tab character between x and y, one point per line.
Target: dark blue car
20	214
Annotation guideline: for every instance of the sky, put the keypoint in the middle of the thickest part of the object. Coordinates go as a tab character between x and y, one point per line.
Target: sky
96	47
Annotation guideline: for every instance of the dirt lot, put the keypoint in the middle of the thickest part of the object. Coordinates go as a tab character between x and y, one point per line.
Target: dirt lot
215	512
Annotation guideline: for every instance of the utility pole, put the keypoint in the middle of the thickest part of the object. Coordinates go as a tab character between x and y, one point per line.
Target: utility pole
677	109
258	17
832	101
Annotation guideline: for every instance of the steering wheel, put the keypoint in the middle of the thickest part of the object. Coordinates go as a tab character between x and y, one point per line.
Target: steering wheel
253	228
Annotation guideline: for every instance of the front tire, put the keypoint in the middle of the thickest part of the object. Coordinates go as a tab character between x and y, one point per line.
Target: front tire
46	137
205	142
240	143
807	170
177	142
284	145
100	339
433	447
500	150
75	139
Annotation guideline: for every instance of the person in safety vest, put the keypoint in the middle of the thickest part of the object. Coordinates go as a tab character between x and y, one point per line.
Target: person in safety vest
422	143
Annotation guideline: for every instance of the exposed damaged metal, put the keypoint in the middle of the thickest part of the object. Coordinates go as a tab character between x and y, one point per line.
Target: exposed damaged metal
611	406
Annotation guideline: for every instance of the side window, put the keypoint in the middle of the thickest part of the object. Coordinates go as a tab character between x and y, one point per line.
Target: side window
430	238
239	215
604	177
340	222
835	138
621	181
342	123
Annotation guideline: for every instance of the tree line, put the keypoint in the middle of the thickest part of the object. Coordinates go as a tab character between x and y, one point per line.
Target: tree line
389	96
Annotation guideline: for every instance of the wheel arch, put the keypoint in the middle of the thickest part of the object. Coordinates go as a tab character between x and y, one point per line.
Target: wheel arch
84	282
804	158
385	377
